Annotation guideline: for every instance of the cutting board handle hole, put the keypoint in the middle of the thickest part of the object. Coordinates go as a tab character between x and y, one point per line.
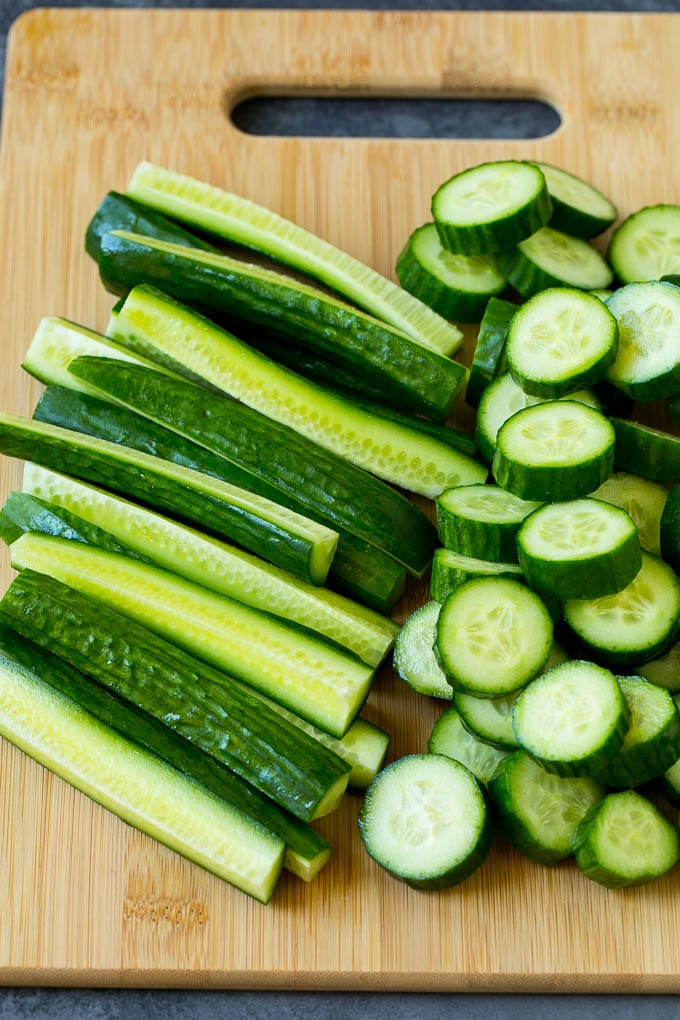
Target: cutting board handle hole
391	117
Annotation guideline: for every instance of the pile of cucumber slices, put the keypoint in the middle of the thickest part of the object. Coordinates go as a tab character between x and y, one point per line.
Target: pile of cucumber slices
216	523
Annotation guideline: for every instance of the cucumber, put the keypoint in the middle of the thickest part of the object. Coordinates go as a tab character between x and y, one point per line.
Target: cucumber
200	703
481	521
306	849
572	719
557	450
551	258
578	208
409	375
291	541
559	341
120	212
173	334
449	569
314	678
643	499
579	548
634	625
140	788
624	840
414	658
646	245
357	568
488	356
646	451
424	819
450	737
488	719
457	286
647	364
493	635
241	221
223	568
302	476
539	811
652	741
490	207
664	670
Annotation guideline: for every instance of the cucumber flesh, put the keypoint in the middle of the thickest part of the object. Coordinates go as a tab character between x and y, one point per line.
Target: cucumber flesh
647	363
452	738
646	245
414	658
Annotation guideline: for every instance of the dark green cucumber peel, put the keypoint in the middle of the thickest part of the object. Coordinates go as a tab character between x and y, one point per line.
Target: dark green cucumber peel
358	569
417	379
120	212
300	474
200	703
137	477
147	731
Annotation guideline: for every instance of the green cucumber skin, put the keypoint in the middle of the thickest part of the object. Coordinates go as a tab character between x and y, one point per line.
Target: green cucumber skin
143	729
646	451
670	530
200	703
358	569
301	475
149	485
487	359
120	212
419	380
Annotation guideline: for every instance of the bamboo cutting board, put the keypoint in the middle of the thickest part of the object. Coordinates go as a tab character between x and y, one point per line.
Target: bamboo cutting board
83	898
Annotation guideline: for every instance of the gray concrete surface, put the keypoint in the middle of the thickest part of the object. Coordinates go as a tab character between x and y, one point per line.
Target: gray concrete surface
493	120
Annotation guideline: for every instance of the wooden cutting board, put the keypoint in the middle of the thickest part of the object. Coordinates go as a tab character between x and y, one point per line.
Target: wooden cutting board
83	898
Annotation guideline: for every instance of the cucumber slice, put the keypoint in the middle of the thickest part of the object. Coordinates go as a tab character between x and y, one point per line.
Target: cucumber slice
364	747
578	208
560	341
572	718
136	785
646	245
647	364
652	742
488	719
313	678
151	322
236	219
290	540
481	521
636	624
643	499
539	811
551	258
424	819
493	635
450	737
414	657
557	450
218	566
450	569
646	451
488	357
624	840
579	549
490	207
457	286
664	670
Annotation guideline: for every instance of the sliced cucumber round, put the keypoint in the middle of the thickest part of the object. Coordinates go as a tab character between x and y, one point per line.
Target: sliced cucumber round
488	719
646	245
425	820
451	737
647	364
556	450
579	548
561	340
456	286
643	499
634	625
664	670
572	718
550	258
481	521
488	356
450	568
414	659
624	840
579	209
490	207
493	635
539	811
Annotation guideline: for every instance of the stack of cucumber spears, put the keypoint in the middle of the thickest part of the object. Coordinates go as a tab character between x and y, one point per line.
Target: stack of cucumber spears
216	522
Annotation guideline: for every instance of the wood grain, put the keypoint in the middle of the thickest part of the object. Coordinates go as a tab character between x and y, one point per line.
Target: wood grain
85	899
